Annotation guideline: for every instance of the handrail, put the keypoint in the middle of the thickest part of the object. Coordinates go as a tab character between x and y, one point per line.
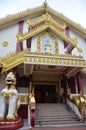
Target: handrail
32	106
80	102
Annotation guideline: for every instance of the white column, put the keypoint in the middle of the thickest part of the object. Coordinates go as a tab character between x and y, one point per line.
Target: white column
29	117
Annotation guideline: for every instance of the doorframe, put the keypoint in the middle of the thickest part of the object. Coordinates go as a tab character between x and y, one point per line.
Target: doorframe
57	84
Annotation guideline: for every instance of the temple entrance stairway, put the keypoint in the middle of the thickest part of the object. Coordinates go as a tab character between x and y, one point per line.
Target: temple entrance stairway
55	114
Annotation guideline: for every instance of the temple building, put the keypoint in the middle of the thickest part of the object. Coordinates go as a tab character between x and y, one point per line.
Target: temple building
47	53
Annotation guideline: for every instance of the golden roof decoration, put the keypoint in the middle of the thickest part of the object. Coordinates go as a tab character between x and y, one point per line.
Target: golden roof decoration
67	21
15	59
47	19
83	70
43	23
12	60
42	9
35	31
51	23
45	3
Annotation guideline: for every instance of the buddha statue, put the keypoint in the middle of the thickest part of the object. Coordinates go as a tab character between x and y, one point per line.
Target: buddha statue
48	47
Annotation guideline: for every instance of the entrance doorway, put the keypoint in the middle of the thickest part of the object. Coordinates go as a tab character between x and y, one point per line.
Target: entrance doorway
45	93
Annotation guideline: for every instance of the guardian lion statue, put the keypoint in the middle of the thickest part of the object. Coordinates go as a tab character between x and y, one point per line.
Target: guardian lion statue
9	100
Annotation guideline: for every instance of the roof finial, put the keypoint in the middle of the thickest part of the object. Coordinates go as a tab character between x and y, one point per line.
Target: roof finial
45	3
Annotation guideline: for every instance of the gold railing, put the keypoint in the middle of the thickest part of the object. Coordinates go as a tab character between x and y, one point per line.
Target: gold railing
32	105
31	96
80	101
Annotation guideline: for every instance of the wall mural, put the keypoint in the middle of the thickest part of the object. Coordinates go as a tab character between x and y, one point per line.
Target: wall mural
47	43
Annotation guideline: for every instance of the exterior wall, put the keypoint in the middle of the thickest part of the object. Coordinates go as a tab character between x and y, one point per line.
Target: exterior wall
34	44
2	81
25	26
22	90
81	44
9	35
45	77
61	48
25	29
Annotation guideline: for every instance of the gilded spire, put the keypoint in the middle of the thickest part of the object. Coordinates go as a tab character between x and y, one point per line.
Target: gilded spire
45	3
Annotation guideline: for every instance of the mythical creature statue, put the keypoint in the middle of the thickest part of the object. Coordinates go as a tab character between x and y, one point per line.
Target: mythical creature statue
9	100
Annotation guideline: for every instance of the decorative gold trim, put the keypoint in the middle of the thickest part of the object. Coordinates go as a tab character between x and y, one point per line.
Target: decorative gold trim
23	98
67	20
47	19
43	23
41	9
39	44
5	44
12	60
39	58
83	70
50	59
10	122
21	15
31	33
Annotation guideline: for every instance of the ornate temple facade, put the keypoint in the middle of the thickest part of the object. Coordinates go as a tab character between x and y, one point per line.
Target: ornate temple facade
47	53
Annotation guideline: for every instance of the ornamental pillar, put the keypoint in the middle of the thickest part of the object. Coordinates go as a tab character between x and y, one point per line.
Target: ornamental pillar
79	82
65	87
72	85
30	82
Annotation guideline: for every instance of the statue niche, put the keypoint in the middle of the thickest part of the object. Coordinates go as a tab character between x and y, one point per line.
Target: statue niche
9	99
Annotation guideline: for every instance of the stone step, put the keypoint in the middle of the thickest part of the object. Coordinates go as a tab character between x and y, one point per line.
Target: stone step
55	114
80	125
57	122
54	118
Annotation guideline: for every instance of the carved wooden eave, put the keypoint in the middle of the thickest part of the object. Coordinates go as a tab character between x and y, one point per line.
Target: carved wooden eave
41	10
46	22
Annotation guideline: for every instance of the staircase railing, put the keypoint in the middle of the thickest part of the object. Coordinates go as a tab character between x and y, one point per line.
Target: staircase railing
32	105
78	103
